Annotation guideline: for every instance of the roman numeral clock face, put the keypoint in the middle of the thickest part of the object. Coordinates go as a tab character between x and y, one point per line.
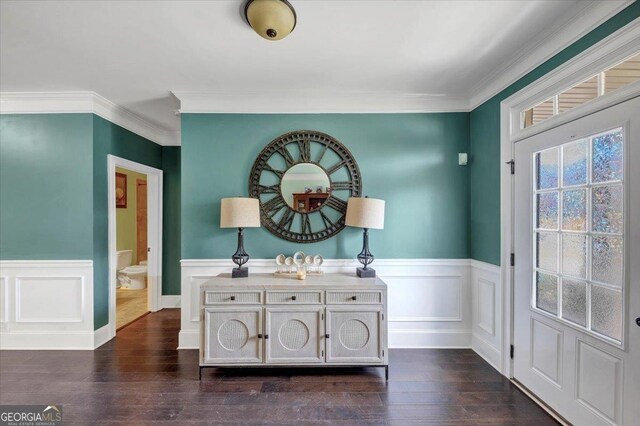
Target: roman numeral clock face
303	180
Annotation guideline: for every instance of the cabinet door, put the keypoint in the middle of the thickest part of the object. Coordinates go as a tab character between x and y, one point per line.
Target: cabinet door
355	334
295	335
231	335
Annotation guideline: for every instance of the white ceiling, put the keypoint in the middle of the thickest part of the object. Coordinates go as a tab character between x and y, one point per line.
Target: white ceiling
449	53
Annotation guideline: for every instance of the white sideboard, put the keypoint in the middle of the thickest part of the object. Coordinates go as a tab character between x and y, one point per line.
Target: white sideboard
324	321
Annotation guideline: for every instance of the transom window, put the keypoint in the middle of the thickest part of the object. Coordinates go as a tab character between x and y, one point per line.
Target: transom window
606	81
578	232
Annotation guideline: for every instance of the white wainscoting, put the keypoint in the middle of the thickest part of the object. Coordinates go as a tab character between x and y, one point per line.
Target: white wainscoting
486	304
47	304
429	300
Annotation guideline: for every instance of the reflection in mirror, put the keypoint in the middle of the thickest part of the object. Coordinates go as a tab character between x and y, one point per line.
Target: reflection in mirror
305	187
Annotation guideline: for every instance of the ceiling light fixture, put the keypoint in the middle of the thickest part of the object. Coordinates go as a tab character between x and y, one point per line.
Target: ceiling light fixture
271	19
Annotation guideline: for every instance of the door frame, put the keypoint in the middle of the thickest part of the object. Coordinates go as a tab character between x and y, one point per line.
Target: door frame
154	233
609	51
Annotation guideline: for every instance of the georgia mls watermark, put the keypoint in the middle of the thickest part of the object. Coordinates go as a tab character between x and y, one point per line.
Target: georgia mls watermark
30	415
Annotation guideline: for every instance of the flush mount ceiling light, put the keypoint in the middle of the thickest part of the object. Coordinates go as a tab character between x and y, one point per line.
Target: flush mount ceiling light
271	19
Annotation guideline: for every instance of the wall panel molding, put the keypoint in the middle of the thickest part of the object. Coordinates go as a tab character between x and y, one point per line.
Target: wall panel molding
429	299
47	304
486	305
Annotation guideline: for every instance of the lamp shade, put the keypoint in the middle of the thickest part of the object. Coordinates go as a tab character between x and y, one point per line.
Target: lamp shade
365	213
239	213
271	19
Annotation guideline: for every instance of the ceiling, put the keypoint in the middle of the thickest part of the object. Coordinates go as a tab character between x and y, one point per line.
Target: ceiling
447	53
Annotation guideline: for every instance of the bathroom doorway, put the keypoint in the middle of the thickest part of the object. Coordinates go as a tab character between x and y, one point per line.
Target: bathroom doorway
131	245
135	241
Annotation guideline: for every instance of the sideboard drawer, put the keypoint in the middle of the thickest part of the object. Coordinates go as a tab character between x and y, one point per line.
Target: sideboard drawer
303	297
246	297
354	297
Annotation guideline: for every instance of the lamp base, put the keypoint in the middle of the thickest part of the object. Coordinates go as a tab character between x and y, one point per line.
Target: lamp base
239	272
366	273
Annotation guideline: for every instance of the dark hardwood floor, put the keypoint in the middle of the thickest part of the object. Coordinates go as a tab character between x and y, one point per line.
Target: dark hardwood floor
140	378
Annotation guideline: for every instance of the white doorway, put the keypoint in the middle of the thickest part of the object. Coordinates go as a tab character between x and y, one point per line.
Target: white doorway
153	234
576	297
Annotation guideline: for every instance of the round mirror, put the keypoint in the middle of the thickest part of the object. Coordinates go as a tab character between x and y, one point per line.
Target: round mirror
305	187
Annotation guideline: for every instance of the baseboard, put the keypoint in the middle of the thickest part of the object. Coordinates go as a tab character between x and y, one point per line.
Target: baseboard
489	353
432	339
49	340
189	340
170	301
101	336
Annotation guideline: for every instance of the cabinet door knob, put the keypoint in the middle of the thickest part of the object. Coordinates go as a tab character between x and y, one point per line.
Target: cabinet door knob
233	298
326	335
353	297
294	297
259	335
638	321
266	336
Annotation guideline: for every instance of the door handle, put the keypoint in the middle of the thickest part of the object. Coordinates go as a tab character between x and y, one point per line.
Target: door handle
638	321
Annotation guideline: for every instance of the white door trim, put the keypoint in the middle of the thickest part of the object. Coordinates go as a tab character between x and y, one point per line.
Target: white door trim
154	237
601	55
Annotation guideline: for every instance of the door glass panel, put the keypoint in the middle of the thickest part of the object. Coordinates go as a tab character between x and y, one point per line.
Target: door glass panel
547	292
574	210
547	169
574	301
574	255
582	260
548	251
574	163
606	311
607	157
606	263
606	202
547	204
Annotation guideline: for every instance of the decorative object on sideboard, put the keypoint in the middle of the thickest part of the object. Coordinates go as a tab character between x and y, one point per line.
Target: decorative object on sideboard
270	19
285	178
366	213
240	213
312	264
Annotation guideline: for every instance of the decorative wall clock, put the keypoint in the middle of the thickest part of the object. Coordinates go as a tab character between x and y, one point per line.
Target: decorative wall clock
303	180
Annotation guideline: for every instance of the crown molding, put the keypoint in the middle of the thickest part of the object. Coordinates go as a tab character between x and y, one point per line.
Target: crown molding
271	102
85	102
546	45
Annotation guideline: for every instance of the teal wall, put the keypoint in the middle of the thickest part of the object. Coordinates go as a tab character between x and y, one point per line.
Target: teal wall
484	176
409	160
171	220
45	192
109	138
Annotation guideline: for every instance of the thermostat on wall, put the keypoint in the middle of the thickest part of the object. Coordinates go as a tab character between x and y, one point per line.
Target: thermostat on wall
462	159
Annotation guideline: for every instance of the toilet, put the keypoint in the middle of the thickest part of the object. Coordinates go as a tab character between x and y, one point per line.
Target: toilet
130	277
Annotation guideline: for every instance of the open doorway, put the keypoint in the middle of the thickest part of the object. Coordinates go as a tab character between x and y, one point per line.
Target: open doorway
135	241
131	246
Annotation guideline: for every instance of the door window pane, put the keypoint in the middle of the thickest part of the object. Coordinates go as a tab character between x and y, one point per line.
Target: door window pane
606	311
574	255
606	263
606	207
547	292
547	217
578	94
547	251
574	210
574	163
547	169
622	74
607	157
574	301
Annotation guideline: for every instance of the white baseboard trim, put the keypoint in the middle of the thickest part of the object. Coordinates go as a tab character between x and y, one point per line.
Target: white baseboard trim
488	352
170	301
429	339
49	340
101	336
189	340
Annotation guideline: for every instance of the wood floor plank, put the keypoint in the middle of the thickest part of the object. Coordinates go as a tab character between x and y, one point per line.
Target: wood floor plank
141	378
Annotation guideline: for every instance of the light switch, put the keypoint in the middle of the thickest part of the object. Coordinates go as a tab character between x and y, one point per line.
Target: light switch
462	159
